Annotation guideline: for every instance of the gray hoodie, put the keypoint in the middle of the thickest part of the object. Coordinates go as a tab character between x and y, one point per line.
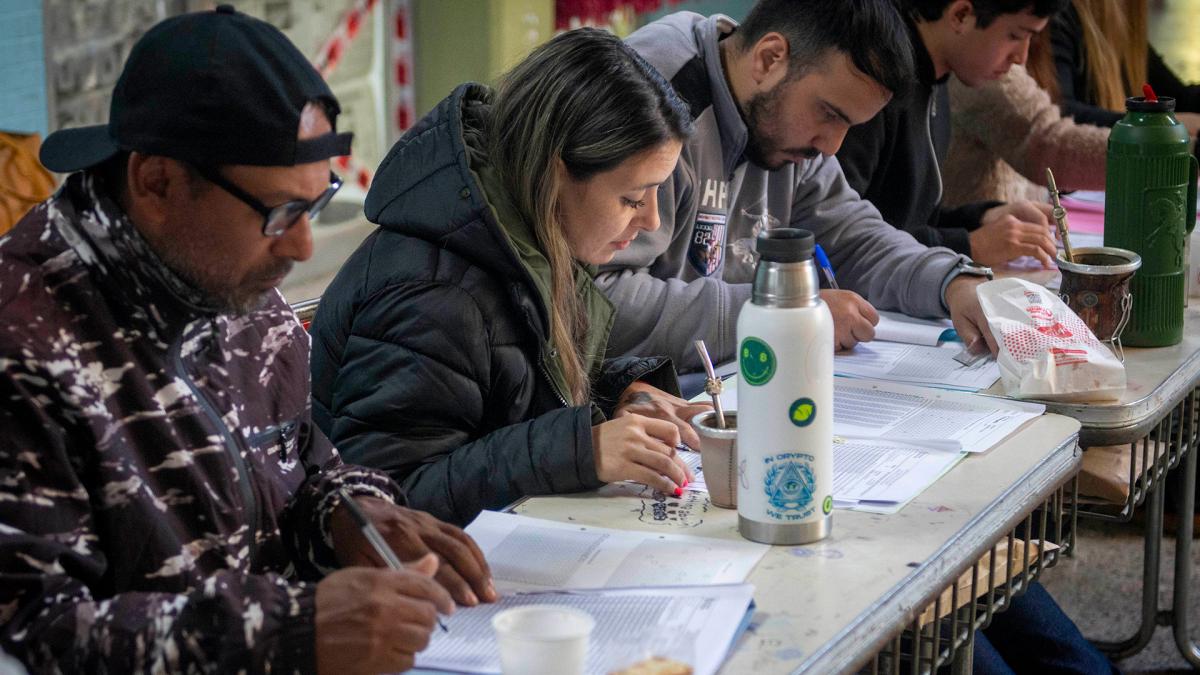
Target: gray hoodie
689	279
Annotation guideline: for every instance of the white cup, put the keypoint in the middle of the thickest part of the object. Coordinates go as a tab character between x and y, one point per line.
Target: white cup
543	640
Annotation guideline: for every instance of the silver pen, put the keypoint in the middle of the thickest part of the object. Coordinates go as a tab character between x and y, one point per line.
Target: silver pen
375	538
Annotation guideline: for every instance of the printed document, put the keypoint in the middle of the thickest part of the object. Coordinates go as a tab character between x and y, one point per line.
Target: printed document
868	474
883	476
531	554
897	327
693	624
915	364
919	416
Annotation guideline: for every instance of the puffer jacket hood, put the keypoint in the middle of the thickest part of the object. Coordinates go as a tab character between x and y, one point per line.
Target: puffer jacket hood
426	187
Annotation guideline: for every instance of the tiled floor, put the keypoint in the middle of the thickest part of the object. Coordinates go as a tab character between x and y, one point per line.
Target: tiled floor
1100	588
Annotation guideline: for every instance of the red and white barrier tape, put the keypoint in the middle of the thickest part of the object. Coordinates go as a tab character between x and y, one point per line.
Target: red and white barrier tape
331	51
328	57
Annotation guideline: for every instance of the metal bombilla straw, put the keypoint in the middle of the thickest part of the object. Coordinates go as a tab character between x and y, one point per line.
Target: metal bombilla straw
712	384
1060	216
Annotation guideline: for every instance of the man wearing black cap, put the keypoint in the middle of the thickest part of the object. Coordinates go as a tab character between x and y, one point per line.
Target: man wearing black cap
165	502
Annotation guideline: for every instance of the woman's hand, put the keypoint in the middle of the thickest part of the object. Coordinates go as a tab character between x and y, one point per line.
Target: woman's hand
642	399
638	448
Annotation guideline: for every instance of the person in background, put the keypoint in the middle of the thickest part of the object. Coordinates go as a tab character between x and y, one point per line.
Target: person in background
895	159
1006	133
166	504
772	100
1102	54
461	347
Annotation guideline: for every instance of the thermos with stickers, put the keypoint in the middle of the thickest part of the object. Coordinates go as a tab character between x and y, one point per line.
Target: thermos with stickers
1150	209
785	397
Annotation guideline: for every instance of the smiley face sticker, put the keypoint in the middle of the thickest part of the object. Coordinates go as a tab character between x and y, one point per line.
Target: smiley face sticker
757	362
802	412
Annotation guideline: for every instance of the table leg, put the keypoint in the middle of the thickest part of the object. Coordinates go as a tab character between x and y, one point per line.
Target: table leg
1183	562
964	658
1150	571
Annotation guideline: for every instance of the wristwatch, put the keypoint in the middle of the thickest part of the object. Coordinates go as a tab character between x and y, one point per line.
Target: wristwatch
974	269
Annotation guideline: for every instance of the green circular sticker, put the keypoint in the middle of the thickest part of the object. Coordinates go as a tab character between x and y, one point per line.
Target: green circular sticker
758	361
803	412
827	505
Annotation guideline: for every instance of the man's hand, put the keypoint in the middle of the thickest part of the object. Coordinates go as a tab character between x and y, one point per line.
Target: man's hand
854	318
642	399
412	535
376	620
966	313
1012	230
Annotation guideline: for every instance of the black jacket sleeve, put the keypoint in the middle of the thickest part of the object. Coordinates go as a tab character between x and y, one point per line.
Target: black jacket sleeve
617	374
57	611
867	155
416	395
304	522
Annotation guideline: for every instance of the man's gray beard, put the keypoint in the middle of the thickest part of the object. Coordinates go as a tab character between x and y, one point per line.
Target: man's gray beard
206	282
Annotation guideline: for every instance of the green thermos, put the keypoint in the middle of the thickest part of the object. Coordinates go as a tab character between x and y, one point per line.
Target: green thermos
1150	208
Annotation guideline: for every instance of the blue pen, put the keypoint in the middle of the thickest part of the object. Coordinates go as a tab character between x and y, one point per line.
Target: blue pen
826	268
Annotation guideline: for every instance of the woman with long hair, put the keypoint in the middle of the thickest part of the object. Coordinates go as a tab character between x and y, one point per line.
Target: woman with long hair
1103	55
461	348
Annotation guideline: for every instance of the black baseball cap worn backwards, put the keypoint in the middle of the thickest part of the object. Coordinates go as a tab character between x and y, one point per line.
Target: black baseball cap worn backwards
208	88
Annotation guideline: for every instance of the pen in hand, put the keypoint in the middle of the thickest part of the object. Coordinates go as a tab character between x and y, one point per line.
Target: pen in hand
826	268
375	538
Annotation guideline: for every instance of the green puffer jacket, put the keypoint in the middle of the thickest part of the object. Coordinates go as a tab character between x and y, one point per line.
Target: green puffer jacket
431	351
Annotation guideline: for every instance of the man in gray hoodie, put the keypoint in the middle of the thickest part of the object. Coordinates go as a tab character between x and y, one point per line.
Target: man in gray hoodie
772	101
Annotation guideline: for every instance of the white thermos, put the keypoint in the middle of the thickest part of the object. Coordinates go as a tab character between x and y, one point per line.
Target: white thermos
785	397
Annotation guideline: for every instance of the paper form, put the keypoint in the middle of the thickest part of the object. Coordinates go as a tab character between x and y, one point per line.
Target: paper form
927	418
870	475
915	364
529	554
896	327
692	460
693	624
923	417
882	476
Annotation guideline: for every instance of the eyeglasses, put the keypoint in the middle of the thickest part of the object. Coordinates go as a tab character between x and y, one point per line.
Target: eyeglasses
276	219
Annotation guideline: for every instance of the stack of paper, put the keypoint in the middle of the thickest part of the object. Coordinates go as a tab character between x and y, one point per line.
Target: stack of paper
644	602
918	416
916	364
895	440
907	350
897	327
692	624
529	554
869	475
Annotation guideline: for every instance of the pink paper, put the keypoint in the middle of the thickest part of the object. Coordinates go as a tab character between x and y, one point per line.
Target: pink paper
1085	221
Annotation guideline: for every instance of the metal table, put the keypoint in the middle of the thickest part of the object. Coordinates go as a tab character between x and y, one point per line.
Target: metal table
855	601
1159	417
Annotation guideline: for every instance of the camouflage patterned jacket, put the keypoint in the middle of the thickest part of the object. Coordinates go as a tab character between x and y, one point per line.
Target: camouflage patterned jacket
163	493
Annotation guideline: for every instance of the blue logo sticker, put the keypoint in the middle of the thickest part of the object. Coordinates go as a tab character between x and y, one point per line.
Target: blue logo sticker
790	485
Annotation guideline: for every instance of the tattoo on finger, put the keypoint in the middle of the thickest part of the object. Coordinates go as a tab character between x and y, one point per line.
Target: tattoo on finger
639	397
